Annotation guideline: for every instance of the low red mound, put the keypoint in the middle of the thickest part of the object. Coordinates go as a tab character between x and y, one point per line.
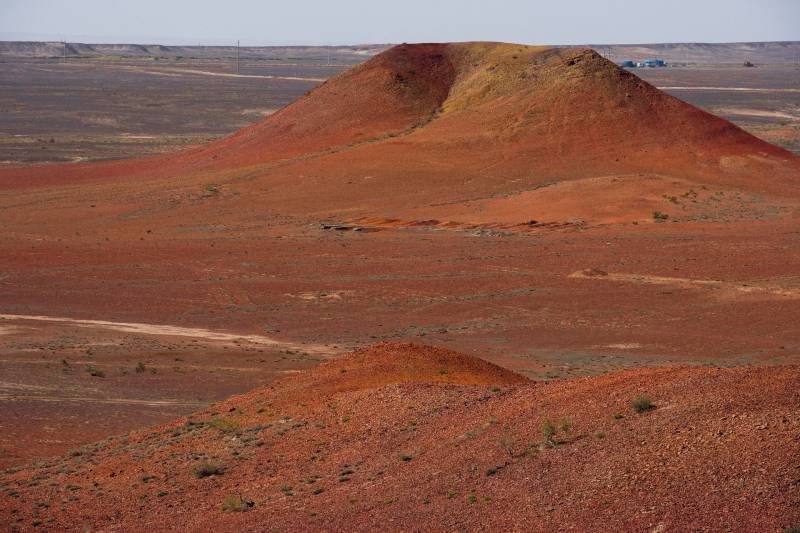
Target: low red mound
394	363
715	449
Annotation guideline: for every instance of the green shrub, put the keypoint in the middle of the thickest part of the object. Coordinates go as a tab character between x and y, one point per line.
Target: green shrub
642	404
236	503
548	428
96	372
206	469
226	425
658	216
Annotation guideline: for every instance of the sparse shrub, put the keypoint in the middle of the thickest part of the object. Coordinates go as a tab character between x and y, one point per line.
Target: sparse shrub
95	372
236	503
226	425
642	404
548	429
140	367
618	416
792	529
492	471
206	469
507	443
658	216
318	490
405	458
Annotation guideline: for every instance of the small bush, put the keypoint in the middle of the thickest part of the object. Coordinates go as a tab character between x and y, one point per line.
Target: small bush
206	469
642	404
140	368
492	471
507	443
658	216
226	425
236	503
96	372
548	428
405	458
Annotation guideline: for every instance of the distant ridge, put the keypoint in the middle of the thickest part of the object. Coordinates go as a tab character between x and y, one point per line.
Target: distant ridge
55	49
770	52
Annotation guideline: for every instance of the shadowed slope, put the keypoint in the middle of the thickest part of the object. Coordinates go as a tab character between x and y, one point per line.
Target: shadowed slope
416	450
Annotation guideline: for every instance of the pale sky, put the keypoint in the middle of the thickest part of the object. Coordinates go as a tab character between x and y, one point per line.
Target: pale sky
266	22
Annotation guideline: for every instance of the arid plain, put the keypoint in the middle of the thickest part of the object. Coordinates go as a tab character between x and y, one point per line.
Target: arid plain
539	209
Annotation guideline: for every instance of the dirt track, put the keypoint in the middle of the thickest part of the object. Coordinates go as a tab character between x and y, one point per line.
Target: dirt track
159	330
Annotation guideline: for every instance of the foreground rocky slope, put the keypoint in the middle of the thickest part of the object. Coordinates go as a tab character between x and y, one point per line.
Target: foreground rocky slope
403	437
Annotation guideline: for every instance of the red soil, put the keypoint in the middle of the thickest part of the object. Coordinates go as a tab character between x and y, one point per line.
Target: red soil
440	452
441	137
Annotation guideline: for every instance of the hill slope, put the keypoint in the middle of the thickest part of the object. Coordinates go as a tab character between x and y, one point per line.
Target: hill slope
419	127
443	452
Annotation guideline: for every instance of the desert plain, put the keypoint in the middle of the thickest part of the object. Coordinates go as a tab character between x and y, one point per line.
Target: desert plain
455	286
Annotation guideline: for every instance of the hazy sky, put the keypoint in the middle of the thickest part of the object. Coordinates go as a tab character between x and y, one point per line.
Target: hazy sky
375	21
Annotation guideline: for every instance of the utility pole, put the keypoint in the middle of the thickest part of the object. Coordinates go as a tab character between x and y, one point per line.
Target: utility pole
237	57
329	55
65	51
